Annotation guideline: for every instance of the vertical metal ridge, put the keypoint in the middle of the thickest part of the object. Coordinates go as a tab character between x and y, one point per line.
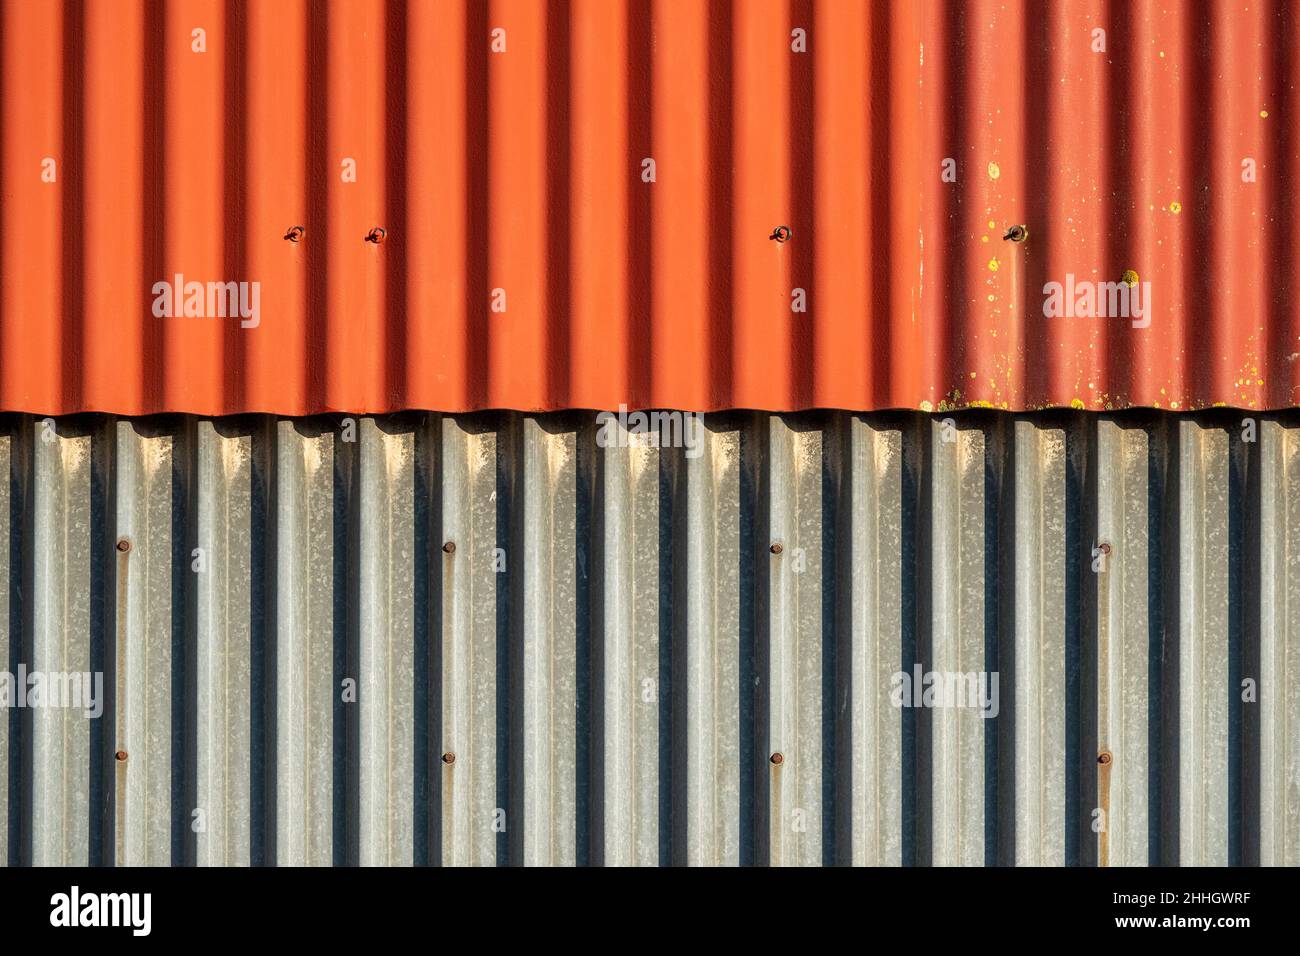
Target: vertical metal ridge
712	653
1279	656
474	718
1203	645
957	639
386	674
10	580
628	497
796	574
143	606
1123	595
61	626
1039	680
305	690
548	565
221	564
876	644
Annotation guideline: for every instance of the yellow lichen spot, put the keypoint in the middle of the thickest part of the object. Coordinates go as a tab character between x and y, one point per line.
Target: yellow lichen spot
990	297
1263	114
994	264
981	403
1259	381
984	238
1129	278
1076	403
927	407
1175	207
1162	54
994	170
992	224
972	374
1173	404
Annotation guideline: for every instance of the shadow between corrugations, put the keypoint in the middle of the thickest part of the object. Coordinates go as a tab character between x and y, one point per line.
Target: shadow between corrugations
540	457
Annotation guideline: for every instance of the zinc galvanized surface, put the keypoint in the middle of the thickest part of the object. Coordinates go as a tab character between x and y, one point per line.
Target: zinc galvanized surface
532	259
492	639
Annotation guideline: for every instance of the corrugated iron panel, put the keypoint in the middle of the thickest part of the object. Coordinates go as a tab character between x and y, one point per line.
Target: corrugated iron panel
529	261
497	638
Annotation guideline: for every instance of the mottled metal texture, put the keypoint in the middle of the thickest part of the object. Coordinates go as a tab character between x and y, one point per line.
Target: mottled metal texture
502	639
533	260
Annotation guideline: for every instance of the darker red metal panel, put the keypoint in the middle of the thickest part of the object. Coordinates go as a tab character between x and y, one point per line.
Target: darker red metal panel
577	200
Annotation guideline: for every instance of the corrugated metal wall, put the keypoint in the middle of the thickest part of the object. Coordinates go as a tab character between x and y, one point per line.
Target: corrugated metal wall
528	261
566	653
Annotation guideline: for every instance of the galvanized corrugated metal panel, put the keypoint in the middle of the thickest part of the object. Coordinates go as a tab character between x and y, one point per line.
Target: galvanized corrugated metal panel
501	146
493	639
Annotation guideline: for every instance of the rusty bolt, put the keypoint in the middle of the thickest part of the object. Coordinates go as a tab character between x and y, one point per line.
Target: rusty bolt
778	758
1103	758
295	233
123	545
376	235
120	755
781	233
449	547
1017	233
449	758
1105	547
776	548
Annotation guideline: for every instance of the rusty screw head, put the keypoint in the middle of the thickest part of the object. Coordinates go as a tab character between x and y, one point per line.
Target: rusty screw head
449	547
123	545
778	758
120	755
295	233
781	233
376	235
449	758
1017	233
776	548
1105	547
1103	758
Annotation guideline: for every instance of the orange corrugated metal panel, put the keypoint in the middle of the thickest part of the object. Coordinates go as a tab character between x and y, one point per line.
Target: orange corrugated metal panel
527	262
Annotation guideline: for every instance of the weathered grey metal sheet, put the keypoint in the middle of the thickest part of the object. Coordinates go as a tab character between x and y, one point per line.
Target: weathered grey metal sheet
502	638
